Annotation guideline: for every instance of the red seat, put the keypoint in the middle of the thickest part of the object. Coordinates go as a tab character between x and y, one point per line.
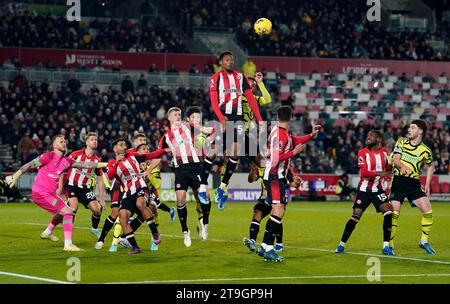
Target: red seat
396	123
312	95
438	124
284	95
284	82
403	97
299	109
393	110
338	96
445	187
377	96
324	83
435	188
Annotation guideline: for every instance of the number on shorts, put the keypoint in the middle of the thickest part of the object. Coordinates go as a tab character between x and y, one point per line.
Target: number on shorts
90	195
382	197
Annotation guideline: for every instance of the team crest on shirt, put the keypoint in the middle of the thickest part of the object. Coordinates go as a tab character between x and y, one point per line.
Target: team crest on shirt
358	202
211	83
361	160
239	76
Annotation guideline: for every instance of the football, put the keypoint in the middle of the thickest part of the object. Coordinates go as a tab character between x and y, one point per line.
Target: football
263	27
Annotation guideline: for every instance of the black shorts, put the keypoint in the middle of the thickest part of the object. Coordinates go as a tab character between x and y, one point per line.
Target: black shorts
405	187
235	135
364	199
188	176
276	190
84	195
129	202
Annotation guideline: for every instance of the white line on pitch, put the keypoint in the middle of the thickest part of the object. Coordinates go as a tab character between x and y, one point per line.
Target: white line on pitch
18	275
285	278
293	247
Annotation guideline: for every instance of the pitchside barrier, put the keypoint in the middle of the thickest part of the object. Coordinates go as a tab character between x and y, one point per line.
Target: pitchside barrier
313	187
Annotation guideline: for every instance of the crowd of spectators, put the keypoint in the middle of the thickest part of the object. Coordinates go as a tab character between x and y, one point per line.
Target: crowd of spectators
31	113
325	28
24	29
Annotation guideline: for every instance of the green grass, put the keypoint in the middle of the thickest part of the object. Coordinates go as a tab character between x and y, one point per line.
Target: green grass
311	233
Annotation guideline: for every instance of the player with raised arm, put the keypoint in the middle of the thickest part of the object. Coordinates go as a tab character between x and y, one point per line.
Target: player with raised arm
50	167
180	140
256	84
409	157
227	88
282	147
125	169
262	208
374	167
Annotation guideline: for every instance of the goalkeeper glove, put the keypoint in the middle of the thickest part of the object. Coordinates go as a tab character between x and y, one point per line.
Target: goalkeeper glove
12	179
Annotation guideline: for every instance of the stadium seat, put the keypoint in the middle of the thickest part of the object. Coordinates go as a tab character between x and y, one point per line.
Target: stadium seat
285	88
339	96
271	76
438	124
416	98
283	95
324	83
301	102
310	83
443	80
290	76
445	187
284	82
312	95
300	95
436	188
403	97
388	116
299	109
408	91
396	123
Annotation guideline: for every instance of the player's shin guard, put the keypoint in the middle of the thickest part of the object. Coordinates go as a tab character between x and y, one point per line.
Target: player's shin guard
182	215
207	165
109	223
273	227
95	221
152	226
349	227
231	167
279	236
387	226
199	210
131	239
135	224
254	229
394	229
117	232
56	220
67	227
427	222
205	212
162	206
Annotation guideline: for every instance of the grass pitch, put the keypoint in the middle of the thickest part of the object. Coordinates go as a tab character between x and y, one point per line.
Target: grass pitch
312	231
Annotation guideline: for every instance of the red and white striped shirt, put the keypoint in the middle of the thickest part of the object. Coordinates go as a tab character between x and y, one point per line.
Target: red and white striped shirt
127	172
81	177
180	140
281	144
371	163
226	90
